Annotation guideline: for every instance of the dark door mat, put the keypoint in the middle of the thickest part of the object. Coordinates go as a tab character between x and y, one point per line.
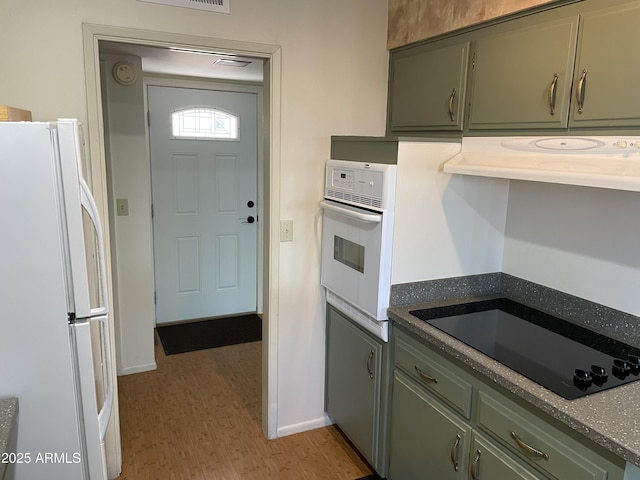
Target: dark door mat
219	332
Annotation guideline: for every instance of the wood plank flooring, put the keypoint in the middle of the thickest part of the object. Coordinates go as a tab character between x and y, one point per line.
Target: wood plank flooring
197	417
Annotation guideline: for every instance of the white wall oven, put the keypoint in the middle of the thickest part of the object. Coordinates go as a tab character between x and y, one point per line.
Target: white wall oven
358	214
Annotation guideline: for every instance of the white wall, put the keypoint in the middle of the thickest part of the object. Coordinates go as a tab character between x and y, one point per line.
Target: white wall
579	240
334	73
128	178
445	225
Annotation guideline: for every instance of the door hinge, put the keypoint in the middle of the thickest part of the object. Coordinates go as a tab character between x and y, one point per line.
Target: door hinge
473	61
155	297
148	118
152	210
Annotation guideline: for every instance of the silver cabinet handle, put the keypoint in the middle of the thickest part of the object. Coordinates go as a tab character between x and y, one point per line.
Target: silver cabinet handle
454	453
475	466
424	376
370	363
581	90
452	97
528	448
552	94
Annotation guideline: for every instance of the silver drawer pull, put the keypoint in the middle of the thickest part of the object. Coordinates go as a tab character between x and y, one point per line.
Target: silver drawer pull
452	97
424	376
528	448
582	85
370	363
475	466
552	94
454	453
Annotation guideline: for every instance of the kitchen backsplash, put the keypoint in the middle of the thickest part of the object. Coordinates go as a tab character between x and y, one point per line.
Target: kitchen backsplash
414	20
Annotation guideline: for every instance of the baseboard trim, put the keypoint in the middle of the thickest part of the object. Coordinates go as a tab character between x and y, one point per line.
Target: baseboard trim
137	369
304	426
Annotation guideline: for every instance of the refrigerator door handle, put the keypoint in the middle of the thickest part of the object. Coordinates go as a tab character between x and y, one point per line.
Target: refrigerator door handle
89	204
105	412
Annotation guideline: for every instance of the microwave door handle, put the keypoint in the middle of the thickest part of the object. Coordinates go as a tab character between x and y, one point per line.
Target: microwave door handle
365	217
89	204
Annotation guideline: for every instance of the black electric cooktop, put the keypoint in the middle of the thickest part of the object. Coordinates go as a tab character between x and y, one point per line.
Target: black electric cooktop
569	360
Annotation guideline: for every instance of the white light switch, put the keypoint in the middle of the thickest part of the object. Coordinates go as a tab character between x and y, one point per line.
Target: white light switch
286	230
122	205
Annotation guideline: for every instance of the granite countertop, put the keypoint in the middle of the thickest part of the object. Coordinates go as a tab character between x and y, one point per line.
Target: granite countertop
609	418
8	418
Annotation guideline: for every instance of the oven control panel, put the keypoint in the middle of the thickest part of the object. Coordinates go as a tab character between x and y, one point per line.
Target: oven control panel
367	185
343	178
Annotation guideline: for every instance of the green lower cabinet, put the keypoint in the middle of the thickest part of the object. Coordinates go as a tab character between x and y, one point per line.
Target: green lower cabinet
488	461
433	435
427	439
535	442
357	386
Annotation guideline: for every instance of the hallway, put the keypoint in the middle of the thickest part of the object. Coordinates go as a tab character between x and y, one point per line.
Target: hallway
198	417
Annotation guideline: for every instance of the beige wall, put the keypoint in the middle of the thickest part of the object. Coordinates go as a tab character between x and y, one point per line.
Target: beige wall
128	177
333	81
414	20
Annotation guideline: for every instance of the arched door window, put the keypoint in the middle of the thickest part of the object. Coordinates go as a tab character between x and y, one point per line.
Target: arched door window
204	123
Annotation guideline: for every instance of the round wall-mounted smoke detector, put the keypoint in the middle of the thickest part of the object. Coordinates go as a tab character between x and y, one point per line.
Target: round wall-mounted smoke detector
125	73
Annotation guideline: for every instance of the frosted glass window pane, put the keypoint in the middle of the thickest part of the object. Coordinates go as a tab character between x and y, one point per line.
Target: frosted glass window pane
204	123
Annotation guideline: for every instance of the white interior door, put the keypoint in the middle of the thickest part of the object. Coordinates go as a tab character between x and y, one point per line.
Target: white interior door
204	193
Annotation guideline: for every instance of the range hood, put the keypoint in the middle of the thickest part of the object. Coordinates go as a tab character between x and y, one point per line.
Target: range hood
603	162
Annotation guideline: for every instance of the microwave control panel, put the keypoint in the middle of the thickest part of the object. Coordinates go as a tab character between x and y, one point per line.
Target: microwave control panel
370	185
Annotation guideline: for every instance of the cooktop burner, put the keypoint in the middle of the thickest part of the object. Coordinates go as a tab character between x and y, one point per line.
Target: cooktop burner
569	360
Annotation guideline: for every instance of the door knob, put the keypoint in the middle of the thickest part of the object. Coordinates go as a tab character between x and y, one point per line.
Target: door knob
249	219
250	204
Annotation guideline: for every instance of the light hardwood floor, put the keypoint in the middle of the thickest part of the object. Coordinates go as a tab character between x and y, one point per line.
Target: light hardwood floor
197	417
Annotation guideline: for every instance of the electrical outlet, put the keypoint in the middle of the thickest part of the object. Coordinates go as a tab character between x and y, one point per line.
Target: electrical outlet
122	206
286	230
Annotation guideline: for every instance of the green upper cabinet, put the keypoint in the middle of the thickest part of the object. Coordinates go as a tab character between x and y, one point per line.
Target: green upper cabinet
427	88
606	73
563	68
522	76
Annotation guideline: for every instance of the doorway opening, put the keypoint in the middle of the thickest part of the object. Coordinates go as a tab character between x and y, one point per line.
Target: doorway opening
133	332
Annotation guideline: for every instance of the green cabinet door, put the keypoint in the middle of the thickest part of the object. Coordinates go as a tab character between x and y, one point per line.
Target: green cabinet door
491	463
427	88
522	77
606	75
427	439
353	382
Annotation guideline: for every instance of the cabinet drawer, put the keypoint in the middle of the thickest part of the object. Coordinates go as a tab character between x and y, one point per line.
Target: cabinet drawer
535	441
441	378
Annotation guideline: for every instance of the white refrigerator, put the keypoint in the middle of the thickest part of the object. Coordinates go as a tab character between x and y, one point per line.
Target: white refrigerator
54	315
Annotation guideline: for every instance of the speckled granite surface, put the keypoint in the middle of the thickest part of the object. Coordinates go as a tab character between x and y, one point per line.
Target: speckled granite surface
616	429
616	324
445	288
8	419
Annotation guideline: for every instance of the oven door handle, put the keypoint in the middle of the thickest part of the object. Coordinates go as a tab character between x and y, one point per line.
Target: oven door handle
352	212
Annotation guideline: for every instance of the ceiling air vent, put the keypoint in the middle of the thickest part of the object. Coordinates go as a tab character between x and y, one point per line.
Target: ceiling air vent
219	6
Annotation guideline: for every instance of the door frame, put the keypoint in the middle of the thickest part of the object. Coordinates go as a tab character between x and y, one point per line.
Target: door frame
271	152
151	80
